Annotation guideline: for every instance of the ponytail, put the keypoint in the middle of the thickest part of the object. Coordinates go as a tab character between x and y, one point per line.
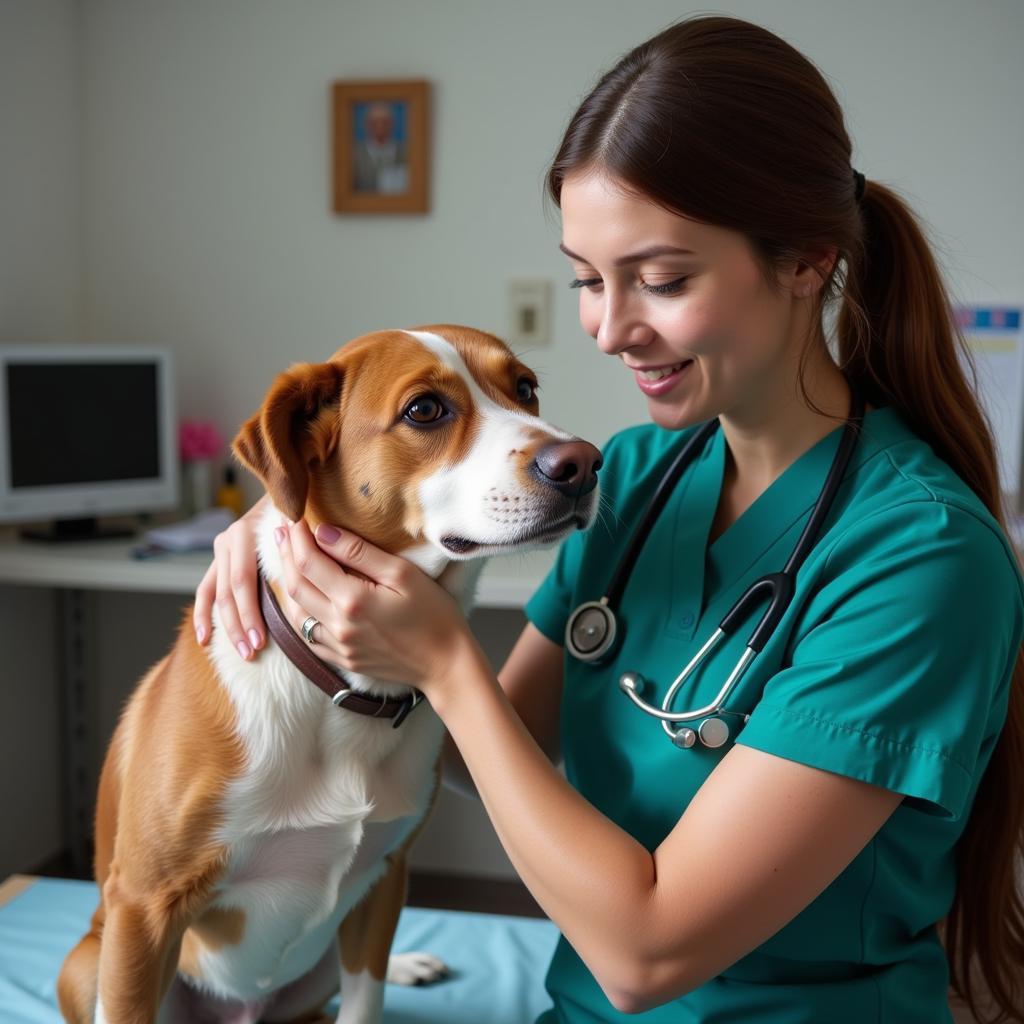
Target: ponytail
898	341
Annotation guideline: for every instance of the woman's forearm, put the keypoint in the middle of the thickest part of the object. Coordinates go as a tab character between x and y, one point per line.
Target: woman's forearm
455	775
592	878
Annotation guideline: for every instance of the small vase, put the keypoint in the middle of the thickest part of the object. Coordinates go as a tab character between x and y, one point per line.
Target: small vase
197	485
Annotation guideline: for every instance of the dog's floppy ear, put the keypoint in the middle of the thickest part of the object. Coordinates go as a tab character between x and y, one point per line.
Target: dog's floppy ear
296	426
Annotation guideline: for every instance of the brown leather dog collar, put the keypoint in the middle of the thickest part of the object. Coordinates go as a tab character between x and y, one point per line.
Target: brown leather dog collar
323	676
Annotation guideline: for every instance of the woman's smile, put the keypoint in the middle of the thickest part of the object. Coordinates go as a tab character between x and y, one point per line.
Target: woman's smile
655	381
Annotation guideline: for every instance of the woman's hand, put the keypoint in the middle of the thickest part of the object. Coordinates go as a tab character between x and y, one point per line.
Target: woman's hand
231	582
391	621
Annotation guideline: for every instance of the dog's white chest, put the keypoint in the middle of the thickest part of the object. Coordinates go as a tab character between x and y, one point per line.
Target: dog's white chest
324	796
308	763
294	887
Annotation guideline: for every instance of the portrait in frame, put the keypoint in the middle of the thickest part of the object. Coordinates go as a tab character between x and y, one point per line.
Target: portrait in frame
380	146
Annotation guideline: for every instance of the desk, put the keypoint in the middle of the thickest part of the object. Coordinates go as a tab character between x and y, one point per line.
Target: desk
108	565
75	568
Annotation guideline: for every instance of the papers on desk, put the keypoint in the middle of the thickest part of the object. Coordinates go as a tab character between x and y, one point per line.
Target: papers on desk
192	534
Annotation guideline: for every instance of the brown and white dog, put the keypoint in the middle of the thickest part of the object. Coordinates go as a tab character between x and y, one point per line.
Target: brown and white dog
251	837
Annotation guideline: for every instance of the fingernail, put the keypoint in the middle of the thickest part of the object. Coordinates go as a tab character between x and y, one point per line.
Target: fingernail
328	534
255	638
200	633
243	649
279	535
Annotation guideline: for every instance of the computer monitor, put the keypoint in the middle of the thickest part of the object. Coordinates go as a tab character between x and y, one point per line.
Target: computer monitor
85	431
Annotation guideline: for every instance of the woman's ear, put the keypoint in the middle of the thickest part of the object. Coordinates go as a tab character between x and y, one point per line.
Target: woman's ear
812	271
280	441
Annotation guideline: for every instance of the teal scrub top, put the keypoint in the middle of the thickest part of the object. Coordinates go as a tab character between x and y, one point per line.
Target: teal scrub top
892	665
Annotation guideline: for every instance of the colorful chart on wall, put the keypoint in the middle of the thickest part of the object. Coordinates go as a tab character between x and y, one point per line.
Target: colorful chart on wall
996	341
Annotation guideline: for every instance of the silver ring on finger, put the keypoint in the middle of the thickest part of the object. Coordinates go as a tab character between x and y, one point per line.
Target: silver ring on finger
307	629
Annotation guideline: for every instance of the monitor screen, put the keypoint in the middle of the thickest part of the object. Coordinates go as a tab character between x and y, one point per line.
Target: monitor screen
86	431
73	423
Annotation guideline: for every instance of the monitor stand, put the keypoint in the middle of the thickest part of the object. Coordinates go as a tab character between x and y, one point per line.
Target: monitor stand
87	528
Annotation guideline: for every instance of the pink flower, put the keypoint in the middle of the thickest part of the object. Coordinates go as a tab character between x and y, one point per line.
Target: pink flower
198	439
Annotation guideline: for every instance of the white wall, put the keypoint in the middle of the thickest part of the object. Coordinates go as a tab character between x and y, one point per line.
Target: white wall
206	163
195	212
40	206
40	261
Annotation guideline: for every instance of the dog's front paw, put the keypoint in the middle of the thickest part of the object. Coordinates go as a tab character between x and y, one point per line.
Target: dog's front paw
415	968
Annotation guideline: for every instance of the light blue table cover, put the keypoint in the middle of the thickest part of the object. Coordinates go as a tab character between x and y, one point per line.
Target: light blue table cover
498	962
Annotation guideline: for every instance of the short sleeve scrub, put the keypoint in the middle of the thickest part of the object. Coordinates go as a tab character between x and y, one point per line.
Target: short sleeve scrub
892	665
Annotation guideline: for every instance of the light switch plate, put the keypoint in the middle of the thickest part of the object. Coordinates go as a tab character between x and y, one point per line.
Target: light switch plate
529	311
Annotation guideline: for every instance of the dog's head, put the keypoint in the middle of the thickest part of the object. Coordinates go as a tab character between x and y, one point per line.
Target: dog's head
427	435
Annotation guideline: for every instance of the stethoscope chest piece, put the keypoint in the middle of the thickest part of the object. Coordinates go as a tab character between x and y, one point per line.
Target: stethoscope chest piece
713	732
590	631
684	738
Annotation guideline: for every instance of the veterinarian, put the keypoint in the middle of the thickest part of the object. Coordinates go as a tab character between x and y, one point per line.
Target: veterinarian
842	847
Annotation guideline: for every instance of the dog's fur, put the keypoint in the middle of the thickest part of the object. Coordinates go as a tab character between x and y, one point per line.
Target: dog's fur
251	838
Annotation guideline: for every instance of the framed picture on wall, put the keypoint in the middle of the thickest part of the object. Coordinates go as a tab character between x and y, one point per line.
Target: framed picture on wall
380	146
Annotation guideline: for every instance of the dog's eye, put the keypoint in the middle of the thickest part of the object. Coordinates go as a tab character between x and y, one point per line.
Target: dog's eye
526	390
425	409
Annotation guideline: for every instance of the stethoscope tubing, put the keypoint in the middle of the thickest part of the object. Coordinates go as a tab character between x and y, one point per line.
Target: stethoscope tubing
778	587
662	493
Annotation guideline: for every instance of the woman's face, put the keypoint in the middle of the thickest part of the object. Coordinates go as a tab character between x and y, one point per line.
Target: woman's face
706	319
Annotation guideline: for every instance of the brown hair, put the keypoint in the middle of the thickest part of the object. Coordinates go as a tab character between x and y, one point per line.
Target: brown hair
721	121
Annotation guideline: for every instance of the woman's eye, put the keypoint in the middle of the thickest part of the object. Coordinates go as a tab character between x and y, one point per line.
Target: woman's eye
526	390
669	288
425	409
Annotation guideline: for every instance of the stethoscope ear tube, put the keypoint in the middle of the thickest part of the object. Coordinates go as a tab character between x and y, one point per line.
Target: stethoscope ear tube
613	595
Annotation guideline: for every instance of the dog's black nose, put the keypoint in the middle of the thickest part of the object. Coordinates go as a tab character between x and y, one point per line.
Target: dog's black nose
569	466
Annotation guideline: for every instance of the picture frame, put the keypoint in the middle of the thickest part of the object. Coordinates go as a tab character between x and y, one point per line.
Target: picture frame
380	146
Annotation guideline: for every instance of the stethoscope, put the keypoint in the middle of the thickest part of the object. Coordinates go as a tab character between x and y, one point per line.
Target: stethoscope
592	630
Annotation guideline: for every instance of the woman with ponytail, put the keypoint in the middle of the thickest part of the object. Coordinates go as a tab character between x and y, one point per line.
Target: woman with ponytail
850	853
